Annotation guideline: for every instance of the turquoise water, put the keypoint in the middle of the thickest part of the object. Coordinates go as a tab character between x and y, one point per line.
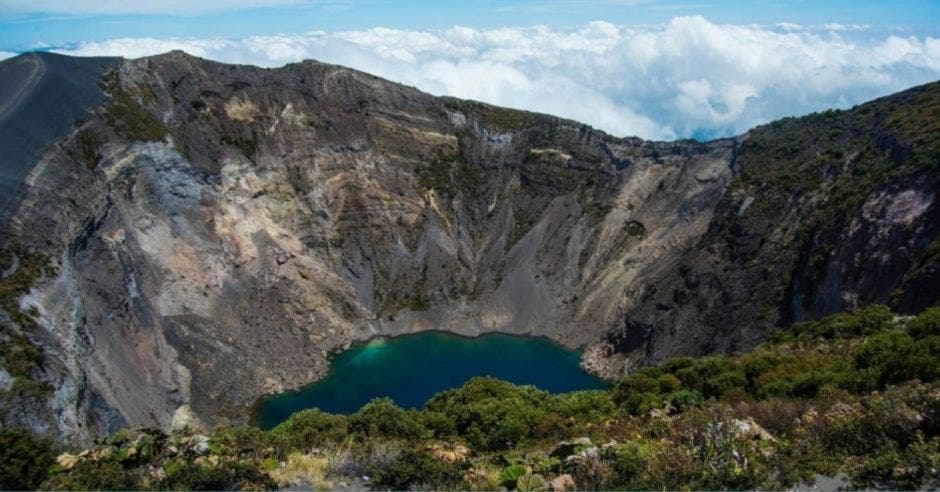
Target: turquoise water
410	369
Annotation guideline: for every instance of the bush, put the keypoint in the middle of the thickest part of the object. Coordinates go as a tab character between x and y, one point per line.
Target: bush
630	460
310	428
637	383
668	383
228	475
851	434
698	374
684	399
439	424
726	460
511	474
724	382
493	414
894	357
925	324
93	475
583	405
530	482
243	440
865	321
417	469
641	403
24	459
382	418
901	469
640	393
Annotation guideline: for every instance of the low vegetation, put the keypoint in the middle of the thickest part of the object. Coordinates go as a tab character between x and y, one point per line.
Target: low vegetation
494	117
854	397
19	356
127	116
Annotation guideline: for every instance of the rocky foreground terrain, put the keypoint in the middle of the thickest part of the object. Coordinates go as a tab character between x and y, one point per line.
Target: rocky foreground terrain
204	234
848	402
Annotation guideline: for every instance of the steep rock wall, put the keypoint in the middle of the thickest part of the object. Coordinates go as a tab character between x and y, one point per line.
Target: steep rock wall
214	231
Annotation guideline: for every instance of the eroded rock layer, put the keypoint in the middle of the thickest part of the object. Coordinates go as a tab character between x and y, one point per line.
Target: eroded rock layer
211	232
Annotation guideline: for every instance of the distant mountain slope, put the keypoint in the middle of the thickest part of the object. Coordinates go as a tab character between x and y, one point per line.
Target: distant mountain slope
827	212
41	96
213	231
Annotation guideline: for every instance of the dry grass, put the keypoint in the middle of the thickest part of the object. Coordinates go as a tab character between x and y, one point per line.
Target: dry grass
309	470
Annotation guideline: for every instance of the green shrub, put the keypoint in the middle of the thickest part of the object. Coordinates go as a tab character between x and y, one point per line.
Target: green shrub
895	357
583	405
630	460
852	435
865	321
128	118
630	387
24	459
493	414
684	399
792	376
417	469
382	418
697	374
227	475
925	324
310	428
675	364
440	424
641	403
93	475
240	441
722	383
726	460
510	475
530	482
668	383
759	362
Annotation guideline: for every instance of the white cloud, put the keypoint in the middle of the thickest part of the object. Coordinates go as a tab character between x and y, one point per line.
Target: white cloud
689	77
835	26
6	54
789	26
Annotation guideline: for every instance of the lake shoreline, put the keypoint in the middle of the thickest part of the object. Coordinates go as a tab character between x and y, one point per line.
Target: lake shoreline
546	353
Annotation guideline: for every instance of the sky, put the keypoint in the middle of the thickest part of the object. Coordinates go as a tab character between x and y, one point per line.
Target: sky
655	69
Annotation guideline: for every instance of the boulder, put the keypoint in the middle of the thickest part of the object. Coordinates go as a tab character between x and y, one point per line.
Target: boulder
748	429
567	448
199	444
562	483
67	460
450	452
185	418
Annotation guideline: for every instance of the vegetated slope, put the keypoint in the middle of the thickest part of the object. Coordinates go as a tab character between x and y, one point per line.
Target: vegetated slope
852	400
827	212
213	231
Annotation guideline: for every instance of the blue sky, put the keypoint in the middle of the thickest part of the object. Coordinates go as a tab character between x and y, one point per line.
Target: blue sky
654	69
25	24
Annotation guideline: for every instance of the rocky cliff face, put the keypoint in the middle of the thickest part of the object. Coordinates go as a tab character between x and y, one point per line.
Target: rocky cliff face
211	232
827	212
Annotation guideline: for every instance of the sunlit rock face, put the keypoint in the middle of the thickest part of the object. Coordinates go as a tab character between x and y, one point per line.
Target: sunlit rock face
218	230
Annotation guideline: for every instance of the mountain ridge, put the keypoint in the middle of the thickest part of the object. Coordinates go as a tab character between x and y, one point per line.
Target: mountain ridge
208	215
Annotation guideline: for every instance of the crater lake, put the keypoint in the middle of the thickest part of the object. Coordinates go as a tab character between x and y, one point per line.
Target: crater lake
410	369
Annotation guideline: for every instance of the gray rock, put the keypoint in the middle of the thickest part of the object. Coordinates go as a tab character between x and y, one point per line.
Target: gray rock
285	213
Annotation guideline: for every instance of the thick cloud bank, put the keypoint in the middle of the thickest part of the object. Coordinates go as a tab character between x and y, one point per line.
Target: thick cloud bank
687	78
